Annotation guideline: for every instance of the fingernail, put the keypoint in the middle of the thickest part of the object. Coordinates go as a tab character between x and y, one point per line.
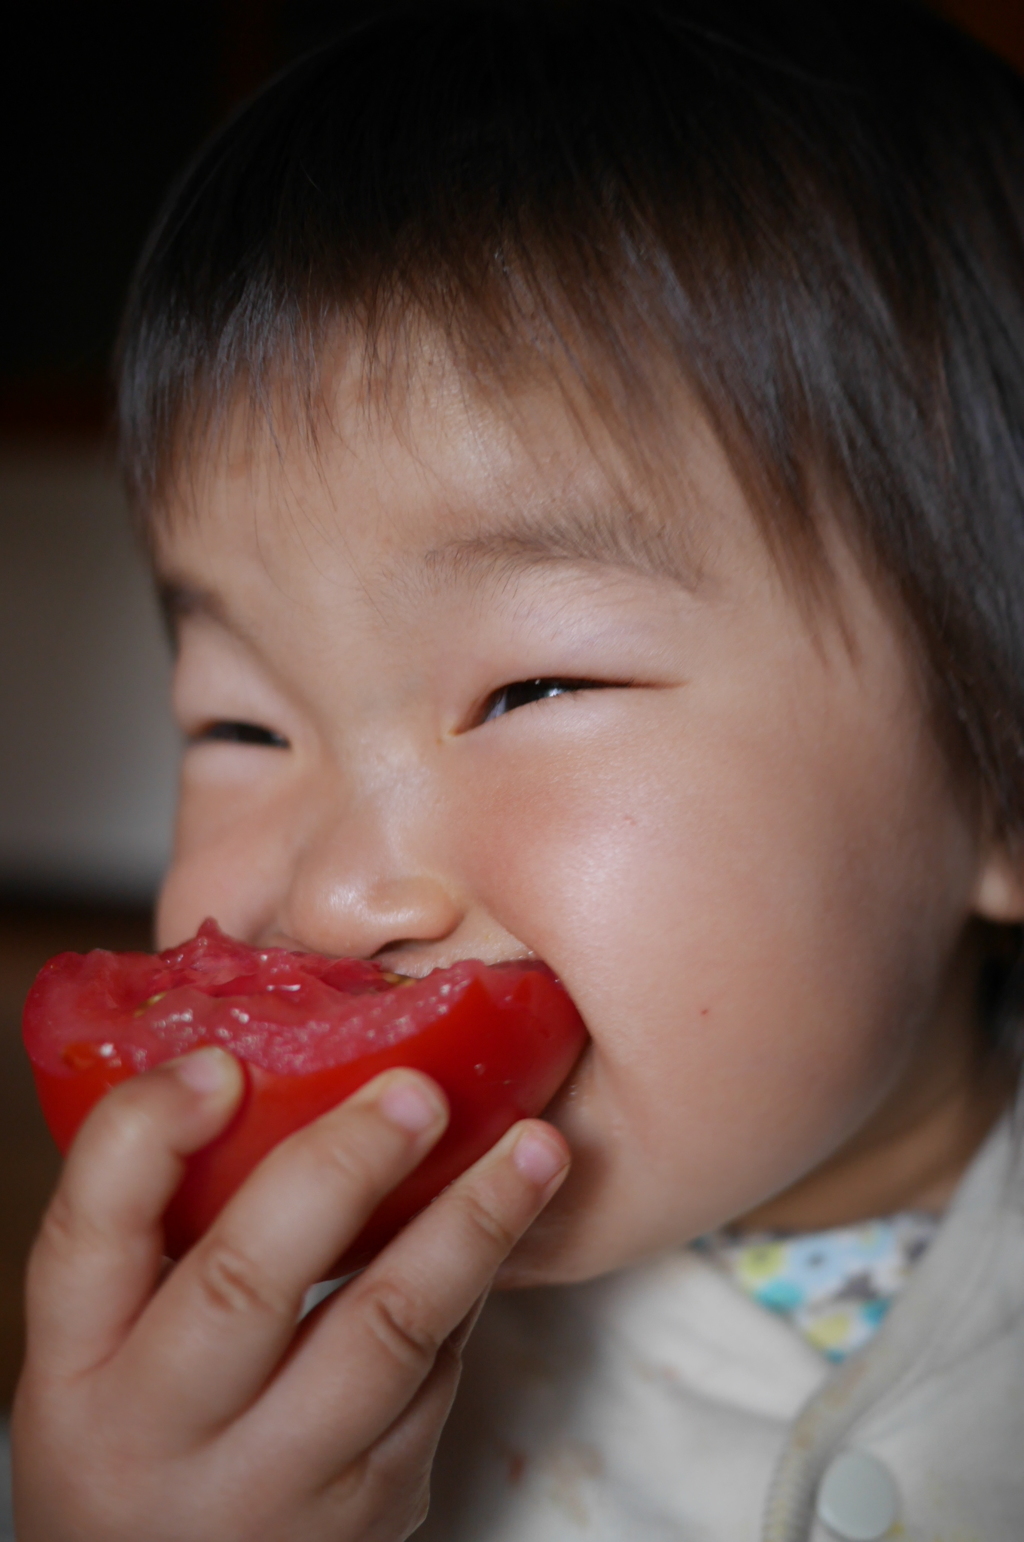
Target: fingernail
409	1105
205	1070
538	1158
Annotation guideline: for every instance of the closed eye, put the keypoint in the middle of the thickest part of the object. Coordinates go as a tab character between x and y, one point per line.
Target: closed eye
228	732
523	692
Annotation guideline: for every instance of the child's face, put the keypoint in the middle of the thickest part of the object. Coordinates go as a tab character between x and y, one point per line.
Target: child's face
743	857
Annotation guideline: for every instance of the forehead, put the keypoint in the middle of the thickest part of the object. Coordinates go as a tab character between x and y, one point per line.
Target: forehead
440	479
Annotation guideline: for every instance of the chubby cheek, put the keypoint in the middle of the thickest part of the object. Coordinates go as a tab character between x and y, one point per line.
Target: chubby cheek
230	848
749	982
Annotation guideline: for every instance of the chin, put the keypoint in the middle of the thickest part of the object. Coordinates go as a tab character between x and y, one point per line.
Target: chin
567	1243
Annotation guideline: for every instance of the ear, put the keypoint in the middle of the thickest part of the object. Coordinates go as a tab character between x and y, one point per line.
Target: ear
999	890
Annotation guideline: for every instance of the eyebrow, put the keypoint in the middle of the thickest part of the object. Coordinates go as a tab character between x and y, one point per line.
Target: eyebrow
631	539
178	598
578	534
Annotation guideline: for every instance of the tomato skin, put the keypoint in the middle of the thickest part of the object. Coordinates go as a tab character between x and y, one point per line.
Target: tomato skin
500	1051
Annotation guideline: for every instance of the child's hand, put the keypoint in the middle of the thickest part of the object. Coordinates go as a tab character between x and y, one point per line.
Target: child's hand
192	1410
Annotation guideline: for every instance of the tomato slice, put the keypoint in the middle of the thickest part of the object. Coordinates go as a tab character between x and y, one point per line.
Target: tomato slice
500	1039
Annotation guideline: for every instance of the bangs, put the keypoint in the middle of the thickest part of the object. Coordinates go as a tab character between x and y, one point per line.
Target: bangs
590	188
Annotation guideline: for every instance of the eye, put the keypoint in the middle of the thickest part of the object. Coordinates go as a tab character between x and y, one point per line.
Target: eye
525	691
240	733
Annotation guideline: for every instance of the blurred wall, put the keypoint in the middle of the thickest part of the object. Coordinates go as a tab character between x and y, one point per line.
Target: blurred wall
89	752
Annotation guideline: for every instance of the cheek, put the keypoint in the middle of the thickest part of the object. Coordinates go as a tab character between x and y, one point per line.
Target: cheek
231	846
663	863
726	914
672	901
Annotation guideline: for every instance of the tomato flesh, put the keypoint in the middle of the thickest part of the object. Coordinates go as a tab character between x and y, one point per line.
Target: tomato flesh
309	1030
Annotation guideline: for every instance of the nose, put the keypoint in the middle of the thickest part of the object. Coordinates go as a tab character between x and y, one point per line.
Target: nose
357	888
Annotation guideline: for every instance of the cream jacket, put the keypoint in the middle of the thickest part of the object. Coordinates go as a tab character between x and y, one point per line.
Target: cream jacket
662	1404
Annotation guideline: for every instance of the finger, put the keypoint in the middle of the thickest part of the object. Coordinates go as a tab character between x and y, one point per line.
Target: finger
379	1497
393	1479
99	1250
377	1342
218	1327
460	1335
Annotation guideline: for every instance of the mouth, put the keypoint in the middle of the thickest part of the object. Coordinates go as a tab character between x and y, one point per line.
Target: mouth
400	964
414	972
571	1089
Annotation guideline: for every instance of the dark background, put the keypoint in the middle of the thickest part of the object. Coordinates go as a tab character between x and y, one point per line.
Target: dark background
105	105
109	103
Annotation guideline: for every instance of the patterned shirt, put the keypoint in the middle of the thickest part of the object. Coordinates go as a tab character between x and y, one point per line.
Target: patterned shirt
835	1286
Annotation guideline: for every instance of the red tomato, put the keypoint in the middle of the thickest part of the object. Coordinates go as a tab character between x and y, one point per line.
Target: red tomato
500	1039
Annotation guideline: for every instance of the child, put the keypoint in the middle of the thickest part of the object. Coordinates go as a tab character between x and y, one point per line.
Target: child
582	448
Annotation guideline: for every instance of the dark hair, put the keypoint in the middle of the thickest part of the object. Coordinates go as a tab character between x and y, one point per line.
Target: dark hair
815	212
